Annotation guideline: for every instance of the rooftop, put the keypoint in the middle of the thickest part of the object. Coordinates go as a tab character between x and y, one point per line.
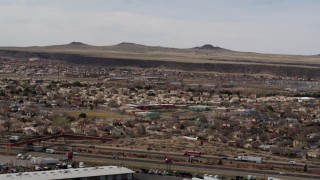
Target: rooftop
68	173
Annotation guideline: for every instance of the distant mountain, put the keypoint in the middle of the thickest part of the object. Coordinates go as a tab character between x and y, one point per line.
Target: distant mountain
207	53
208	47
211	48
317	55
206	57
128	46
74	43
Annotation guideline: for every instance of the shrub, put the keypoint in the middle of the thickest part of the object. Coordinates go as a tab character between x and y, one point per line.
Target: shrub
82	115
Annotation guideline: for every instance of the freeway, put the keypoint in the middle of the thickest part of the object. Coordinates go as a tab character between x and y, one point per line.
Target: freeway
204	167
177	155
203	157
193	167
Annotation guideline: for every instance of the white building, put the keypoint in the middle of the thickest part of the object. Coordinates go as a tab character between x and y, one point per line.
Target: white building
90	173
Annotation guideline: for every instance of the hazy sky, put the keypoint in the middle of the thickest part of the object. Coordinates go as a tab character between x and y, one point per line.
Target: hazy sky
270	26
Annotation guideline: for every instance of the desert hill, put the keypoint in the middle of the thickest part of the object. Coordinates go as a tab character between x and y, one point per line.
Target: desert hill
204	58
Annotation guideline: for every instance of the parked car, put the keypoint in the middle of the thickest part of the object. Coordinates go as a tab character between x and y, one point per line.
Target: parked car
19	156
29	157
51	151
37	168
81	165
23	157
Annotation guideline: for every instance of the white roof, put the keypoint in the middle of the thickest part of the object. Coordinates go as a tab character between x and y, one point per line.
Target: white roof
67	173
304	98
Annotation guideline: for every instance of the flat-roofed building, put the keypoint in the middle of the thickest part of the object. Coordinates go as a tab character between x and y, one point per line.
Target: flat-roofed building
90	173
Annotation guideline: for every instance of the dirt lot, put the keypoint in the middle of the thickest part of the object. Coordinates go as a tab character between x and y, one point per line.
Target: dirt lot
180	145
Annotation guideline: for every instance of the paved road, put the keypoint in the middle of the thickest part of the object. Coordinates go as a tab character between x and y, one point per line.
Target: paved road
198	167
226	170
204	157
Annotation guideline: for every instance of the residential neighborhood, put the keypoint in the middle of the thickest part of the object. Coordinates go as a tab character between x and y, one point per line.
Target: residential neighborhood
159	90
128	103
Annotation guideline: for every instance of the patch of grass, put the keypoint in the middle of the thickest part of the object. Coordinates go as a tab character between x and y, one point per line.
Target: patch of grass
98	114
60	121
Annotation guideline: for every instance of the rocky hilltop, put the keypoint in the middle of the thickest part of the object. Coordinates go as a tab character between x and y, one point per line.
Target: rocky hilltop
208	47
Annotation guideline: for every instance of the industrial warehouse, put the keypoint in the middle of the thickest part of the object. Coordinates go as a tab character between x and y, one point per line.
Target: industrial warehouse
92	173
